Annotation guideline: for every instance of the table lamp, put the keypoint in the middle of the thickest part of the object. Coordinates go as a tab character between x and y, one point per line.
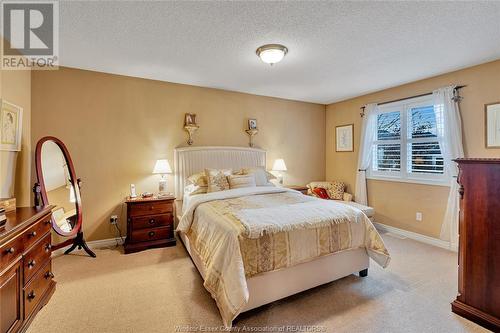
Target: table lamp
280	167
162	167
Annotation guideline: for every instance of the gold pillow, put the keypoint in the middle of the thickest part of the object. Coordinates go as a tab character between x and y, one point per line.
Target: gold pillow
217	179
198	183
239	181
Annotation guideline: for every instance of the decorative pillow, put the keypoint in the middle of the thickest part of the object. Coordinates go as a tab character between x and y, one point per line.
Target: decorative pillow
336	190
239	181
217	179
261	175
198	183
320	193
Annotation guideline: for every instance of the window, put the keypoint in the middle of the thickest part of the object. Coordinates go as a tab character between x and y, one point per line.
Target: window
408	144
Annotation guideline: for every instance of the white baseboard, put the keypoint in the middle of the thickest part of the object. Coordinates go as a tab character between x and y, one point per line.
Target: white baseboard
413	235
97	244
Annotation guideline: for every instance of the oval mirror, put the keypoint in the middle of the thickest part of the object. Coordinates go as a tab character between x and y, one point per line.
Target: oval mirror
59	186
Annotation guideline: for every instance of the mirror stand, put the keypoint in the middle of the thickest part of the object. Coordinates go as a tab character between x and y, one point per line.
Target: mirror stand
78	241
57	185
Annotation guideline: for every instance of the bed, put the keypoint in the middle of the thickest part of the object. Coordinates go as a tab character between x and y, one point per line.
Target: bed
253	246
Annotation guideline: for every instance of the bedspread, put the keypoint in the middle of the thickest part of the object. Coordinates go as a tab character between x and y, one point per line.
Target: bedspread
235	236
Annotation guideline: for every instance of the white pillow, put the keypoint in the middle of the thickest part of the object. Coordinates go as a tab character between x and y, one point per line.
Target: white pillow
239	181
262	177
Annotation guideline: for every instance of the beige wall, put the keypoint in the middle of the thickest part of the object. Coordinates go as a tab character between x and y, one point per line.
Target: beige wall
397	203
116	127
15	167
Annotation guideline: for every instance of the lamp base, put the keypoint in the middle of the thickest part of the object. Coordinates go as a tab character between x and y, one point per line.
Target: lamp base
162	186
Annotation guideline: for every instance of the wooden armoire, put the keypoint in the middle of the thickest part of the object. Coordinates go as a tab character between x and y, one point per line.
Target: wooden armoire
479	242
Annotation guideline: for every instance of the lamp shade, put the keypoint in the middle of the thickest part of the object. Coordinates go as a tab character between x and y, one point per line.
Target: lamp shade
279	165
162	167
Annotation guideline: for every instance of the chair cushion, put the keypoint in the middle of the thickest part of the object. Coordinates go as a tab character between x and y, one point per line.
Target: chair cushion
369	211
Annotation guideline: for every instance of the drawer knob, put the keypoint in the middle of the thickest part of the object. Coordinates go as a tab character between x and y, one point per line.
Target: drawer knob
10	250
151	208
151	233
48	222
31	295
48	247
49	275
152	221
31	263
32	234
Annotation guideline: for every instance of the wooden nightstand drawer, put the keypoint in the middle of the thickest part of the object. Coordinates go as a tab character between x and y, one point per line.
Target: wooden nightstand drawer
151	221
144	235
37	231
150	208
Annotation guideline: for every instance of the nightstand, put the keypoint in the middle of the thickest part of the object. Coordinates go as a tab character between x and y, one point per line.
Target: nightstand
302	189
150	223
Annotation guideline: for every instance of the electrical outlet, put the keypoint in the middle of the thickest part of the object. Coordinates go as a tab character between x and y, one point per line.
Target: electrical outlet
419	217
113	219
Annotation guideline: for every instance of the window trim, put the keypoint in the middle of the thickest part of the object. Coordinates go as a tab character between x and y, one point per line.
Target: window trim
403	175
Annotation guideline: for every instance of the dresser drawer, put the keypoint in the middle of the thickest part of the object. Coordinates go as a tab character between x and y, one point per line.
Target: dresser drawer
37	256
150	208
36	232
10	252
35	290
144	235
152	221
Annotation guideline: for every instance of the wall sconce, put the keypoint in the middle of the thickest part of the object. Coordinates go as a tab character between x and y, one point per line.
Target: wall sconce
190	126
252	130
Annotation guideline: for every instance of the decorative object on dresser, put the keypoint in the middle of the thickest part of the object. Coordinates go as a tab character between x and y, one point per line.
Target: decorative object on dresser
3	217
26	279
9	204
344	138
59	187
190	126
492	125
280	167
479	242
150	223
300	188
162	167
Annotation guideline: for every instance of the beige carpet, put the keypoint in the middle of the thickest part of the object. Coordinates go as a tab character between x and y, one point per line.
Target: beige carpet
156	290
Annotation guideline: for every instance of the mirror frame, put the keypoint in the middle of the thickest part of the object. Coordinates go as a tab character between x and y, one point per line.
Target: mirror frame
74	181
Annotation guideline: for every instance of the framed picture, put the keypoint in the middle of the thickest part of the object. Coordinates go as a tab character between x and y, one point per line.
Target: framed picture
344	138
252	124
190	119
492	125
11	126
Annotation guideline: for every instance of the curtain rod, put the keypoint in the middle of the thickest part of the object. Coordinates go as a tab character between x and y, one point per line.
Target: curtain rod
402	99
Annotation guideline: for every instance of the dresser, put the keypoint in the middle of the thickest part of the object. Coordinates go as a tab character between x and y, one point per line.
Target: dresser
150	223
26	279
479	243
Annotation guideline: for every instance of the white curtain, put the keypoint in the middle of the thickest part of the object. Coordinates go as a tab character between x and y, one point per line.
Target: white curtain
368	127
446	105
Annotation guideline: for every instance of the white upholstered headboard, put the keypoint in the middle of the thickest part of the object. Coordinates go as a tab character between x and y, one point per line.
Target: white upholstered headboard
190	160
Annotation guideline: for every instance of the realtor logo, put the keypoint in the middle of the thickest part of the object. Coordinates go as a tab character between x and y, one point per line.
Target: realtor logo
30	33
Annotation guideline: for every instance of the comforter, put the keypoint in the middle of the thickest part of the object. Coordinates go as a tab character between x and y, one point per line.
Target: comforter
242	232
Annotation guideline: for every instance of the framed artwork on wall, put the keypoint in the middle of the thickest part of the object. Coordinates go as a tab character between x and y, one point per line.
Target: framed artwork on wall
11	126
492	125
344	138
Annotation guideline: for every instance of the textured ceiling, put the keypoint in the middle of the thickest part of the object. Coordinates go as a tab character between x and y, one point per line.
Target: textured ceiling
337	50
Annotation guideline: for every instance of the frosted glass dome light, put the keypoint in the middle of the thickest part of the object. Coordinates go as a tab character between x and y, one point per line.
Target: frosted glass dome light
271	53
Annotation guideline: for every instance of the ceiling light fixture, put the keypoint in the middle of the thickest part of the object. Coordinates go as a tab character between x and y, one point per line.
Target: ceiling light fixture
271	53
